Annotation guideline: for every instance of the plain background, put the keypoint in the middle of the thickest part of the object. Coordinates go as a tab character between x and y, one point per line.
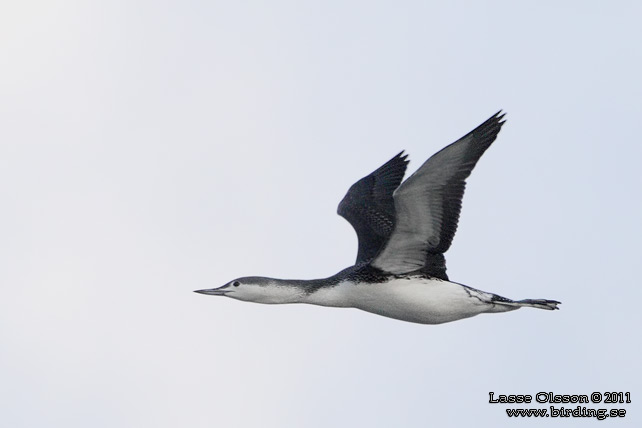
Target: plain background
148	149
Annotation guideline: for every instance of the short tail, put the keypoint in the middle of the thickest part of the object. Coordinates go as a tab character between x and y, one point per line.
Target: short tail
533	303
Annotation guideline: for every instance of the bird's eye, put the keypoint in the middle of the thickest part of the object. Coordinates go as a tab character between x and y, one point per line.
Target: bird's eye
236	283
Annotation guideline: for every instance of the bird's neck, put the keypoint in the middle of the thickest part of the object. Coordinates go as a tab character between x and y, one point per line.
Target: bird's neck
324	292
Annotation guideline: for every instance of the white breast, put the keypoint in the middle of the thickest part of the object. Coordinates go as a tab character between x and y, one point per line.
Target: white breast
414	299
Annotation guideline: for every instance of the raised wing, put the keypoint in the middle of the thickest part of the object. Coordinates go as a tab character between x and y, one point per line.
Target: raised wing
428	203
369	206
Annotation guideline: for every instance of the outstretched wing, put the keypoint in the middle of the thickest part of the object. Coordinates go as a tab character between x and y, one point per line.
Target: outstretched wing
428	203
369	206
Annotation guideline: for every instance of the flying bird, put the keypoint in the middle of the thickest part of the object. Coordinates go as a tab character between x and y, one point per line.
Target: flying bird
403	230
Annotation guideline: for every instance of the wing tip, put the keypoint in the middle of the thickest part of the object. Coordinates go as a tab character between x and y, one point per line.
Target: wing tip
487	131
394	167
498	117
402	156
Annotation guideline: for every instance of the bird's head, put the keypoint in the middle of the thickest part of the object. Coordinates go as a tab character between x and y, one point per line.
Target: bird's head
259	290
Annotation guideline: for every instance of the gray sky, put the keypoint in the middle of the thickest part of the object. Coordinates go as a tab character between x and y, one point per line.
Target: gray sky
148	150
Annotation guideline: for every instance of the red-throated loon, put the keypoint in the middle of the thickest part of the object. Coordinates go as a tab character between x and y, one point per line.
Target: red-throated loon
403	230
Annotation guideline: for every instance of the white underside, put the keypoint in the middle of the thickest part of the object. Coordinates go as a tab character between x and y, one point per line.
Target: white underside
413	299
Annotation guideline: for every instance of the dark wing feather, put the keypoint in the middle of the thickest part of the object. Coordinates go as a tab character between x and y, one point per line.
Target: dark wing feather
370	208
428	203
